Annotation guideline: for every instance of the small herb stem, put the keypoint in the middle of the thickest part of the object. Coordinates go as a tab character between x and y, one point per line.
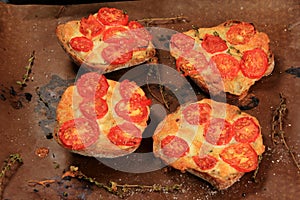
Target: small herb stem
28	69
164	101
163	20
121	189
8	165
278	133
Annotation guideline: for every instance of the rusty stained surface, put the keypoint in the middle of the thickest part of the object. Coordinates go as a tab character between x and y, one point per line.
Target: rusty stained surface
28	121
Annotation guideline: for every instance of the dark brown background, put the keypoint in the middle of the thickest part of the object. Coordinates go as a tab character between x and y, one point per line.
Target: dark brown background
27	28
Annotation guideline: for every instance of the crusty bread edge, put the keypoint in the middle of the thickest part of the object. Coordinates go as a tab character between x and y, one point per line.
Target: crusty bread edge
217	182
92	152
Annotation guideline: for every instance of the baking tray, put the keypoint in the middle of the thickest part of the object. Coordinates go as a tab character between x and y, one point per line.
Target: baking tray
28	115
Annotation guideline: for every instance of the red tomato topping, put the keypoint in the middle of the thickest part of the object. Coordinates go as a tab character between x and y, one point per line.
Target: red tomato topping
90	26
134	106
135	25
112	16
254	63
174	147
140	33
137	100
91	85
127	88
218	132
193	61
81	44
240	156
125	134
205	162
213	44
240	33
227	65
182	42
245	129
94	109
78	134
116	54
197	113
115	32
131	112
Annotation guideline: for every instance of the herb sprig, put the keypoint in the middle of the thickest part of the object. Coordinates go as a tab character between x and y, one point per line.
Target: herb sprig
164	101
278	134
28	69
12	162
163	20
121	190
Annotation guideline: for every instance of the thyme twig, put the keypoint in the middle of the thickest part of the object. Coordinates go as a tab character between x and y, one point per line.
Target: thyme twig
8	165
163	101
120	189
28	68
163	20
278	133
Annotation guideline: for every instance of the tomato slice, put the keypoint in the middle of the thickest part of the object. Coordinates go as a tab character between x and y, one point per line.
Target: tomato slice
192	62
246	130
174	146
197	114
112	16
127	88
78	134
116	54
240	33
218	131
90	26
125	134
81	44
213	44
254	63
131	112
115	32
240	156
182	42
205	162
140	33
227	65
137	100
93	109
91	85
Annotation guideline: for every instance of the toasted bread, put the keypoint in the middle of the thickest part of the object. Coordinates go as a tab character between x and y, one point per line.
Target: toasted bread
220	45
208	143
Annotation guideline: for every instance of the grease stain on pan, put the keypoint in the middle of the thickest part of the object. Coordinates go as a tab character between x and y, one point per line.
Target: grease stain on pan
49	96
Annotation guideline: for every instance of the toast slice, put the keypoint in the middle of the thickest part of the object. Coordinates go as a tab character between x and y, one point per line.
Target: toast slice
101	122
229	57
100	43
212	140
